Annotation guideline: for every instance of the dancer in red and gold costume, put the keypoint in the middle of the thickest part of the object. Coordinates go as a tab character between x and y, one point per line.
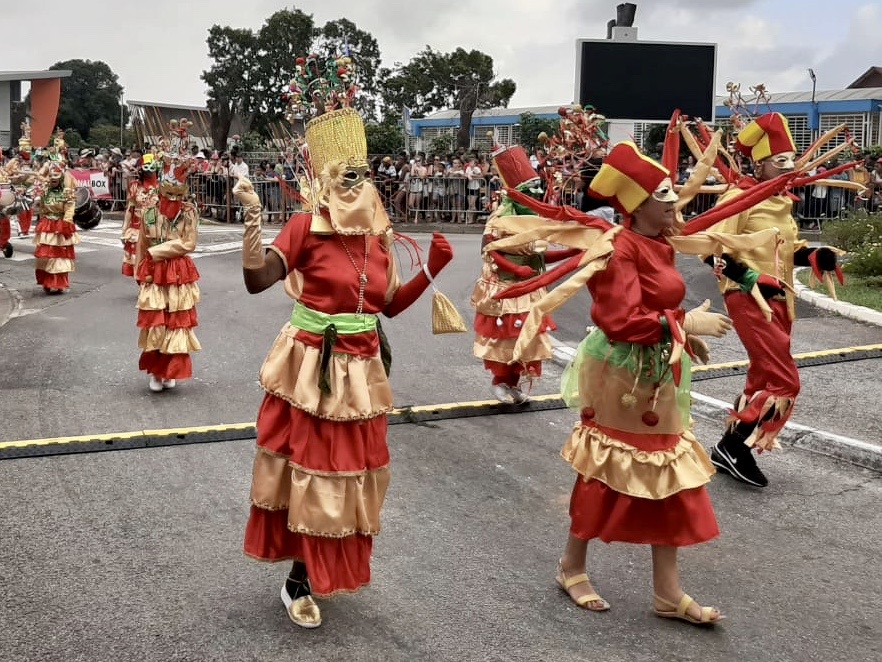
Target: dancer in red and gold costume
772	376
322	465
498	322
142	195
167	276
641	472
56	234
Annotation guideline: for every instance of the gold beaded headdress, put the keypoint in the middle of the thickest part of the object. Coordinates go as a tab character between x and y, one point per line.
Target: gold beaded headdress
334	153
325	90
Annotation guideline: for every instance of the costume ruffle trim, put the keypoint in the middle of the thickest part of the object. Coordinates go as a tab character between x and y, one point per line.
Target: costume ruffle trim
507	326
769	413
54	228
179	270
320	504
628	470
55	265
156	296
56	239
483	301
501	350
168	341
360	389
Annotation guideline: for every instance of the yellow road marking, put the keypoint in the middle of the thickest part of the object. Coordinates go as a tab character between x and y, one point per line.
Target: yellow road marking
420	409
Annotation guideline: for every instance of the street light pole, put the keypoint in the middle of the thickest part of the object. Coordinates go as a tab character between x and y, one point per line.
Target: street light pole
815	118
121	120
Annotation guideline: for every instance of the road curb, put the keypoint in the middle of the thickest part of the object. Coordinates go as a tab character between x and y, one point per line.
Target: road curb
843	308
10	301
847	449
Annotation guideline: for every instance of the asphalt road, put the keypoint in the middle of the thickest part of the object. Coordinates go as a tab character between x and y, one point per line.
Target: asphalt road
136	555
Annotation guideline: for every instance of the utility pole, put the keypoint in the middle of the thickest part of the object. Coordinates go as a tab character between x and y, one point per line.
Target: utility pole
815	118
121	121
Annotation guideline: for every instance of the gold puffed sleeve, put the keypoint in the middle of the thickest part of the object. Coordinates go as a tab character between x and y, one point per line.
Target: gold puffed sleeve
185	243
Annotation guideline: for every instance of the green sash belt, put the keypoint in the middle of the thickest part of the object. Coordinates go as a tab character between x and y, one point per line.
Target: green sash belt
330	326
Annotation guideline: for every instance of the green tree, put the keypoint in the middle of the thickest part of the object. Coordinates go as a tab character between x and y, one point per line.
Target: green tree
532	126
107	135
654	140
463	80
384	138
343	37
231	79
89	96
284	36
251	70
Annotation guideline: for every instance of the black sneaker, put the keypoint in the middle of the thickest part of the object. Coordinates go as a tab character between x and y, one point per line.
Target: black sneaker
742	468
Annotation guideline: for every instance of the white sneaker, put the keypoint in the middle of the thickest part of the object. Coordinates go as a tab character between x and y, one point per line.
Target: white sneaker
155	384
169	383
518	396
502	392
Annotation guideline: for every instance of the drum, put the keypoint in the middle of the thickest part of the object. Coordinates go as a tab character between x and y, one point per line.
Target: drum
87	214
7	198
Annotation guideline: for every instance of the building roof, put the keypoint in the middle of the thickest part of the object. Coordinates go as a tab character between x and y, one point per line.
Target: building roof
869	73
34	75
165	106
855	94
493	112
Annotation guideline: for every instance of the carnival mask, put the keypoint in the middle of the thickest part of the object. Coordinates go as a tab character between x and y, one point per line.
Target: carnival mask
664	192
782	161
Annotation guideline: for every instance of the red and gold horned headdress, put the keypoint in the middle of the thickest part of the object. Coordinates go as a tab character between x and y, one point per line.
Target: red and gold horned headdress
175	159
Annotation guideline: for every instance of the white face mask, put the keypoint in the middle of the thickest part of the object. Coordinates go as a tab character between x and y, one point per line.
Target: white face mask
664	192
783	161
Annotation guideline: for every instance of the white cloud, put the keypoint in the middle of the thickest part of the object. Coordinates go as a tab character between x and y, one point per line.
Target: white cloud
158	49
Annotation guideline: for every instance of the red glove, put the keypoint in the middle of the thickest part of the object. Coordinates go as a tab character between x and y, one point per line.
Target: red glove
522	271
440	253
557	256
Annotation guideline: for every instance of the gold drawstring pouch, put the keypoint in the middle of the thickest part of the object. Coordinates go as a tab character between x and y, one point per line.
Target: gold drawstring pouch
445	316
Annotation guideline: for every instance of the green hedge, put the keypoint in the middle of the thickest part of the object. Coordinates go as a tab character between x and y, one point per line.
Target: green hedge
860	234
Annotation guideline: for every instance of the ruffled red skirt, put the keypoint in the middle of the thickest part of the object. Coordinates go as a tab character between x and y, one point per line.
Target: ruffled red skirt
176	271
334	565
598	511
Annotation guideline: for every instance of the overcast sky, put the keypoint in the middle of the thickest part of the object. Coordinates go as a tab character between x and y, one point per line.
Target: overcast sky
158	50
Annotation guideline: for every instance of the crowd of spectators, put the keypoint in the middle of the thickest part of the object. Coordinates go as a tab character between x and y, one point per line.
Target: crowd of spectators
459	187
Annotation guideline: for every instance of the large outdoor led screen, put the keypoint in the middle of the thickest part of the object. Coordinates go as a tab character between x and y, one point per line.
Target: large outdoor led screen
646	81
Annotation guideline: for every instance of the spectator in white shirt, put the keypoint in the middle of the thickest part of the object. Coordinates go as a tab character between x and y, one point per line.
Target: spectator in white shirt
238	168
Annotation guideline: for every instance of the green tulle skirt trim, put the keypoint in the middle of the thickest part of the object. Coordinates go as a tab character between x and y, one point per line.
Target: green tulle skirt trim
648	364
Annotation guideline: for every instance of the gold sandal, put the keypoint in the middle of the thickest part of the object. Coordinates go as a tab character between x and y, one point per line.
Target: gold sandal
566	583
679	611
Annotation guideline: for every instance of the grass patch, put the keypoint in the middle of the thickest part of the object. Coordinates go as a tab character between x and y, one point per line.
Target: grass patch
858	290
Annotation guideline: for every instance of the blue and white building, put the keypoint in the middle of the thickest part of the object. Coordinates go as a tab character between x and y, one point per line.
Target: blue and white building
859	108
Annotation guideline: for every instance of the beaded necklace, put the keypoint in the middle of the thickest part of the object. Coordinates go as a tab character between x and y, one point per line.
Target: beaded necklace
362	274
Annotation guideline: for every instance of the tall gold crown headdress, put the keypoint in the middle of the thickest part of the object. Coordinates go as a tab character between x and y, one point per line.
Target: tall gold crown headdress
324	89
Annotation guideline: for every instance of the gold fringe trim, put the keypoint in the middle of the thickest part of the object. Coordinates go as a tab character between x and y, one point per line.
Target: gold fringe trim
501	350
55	265
173	298
360	389
168	341
627	470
